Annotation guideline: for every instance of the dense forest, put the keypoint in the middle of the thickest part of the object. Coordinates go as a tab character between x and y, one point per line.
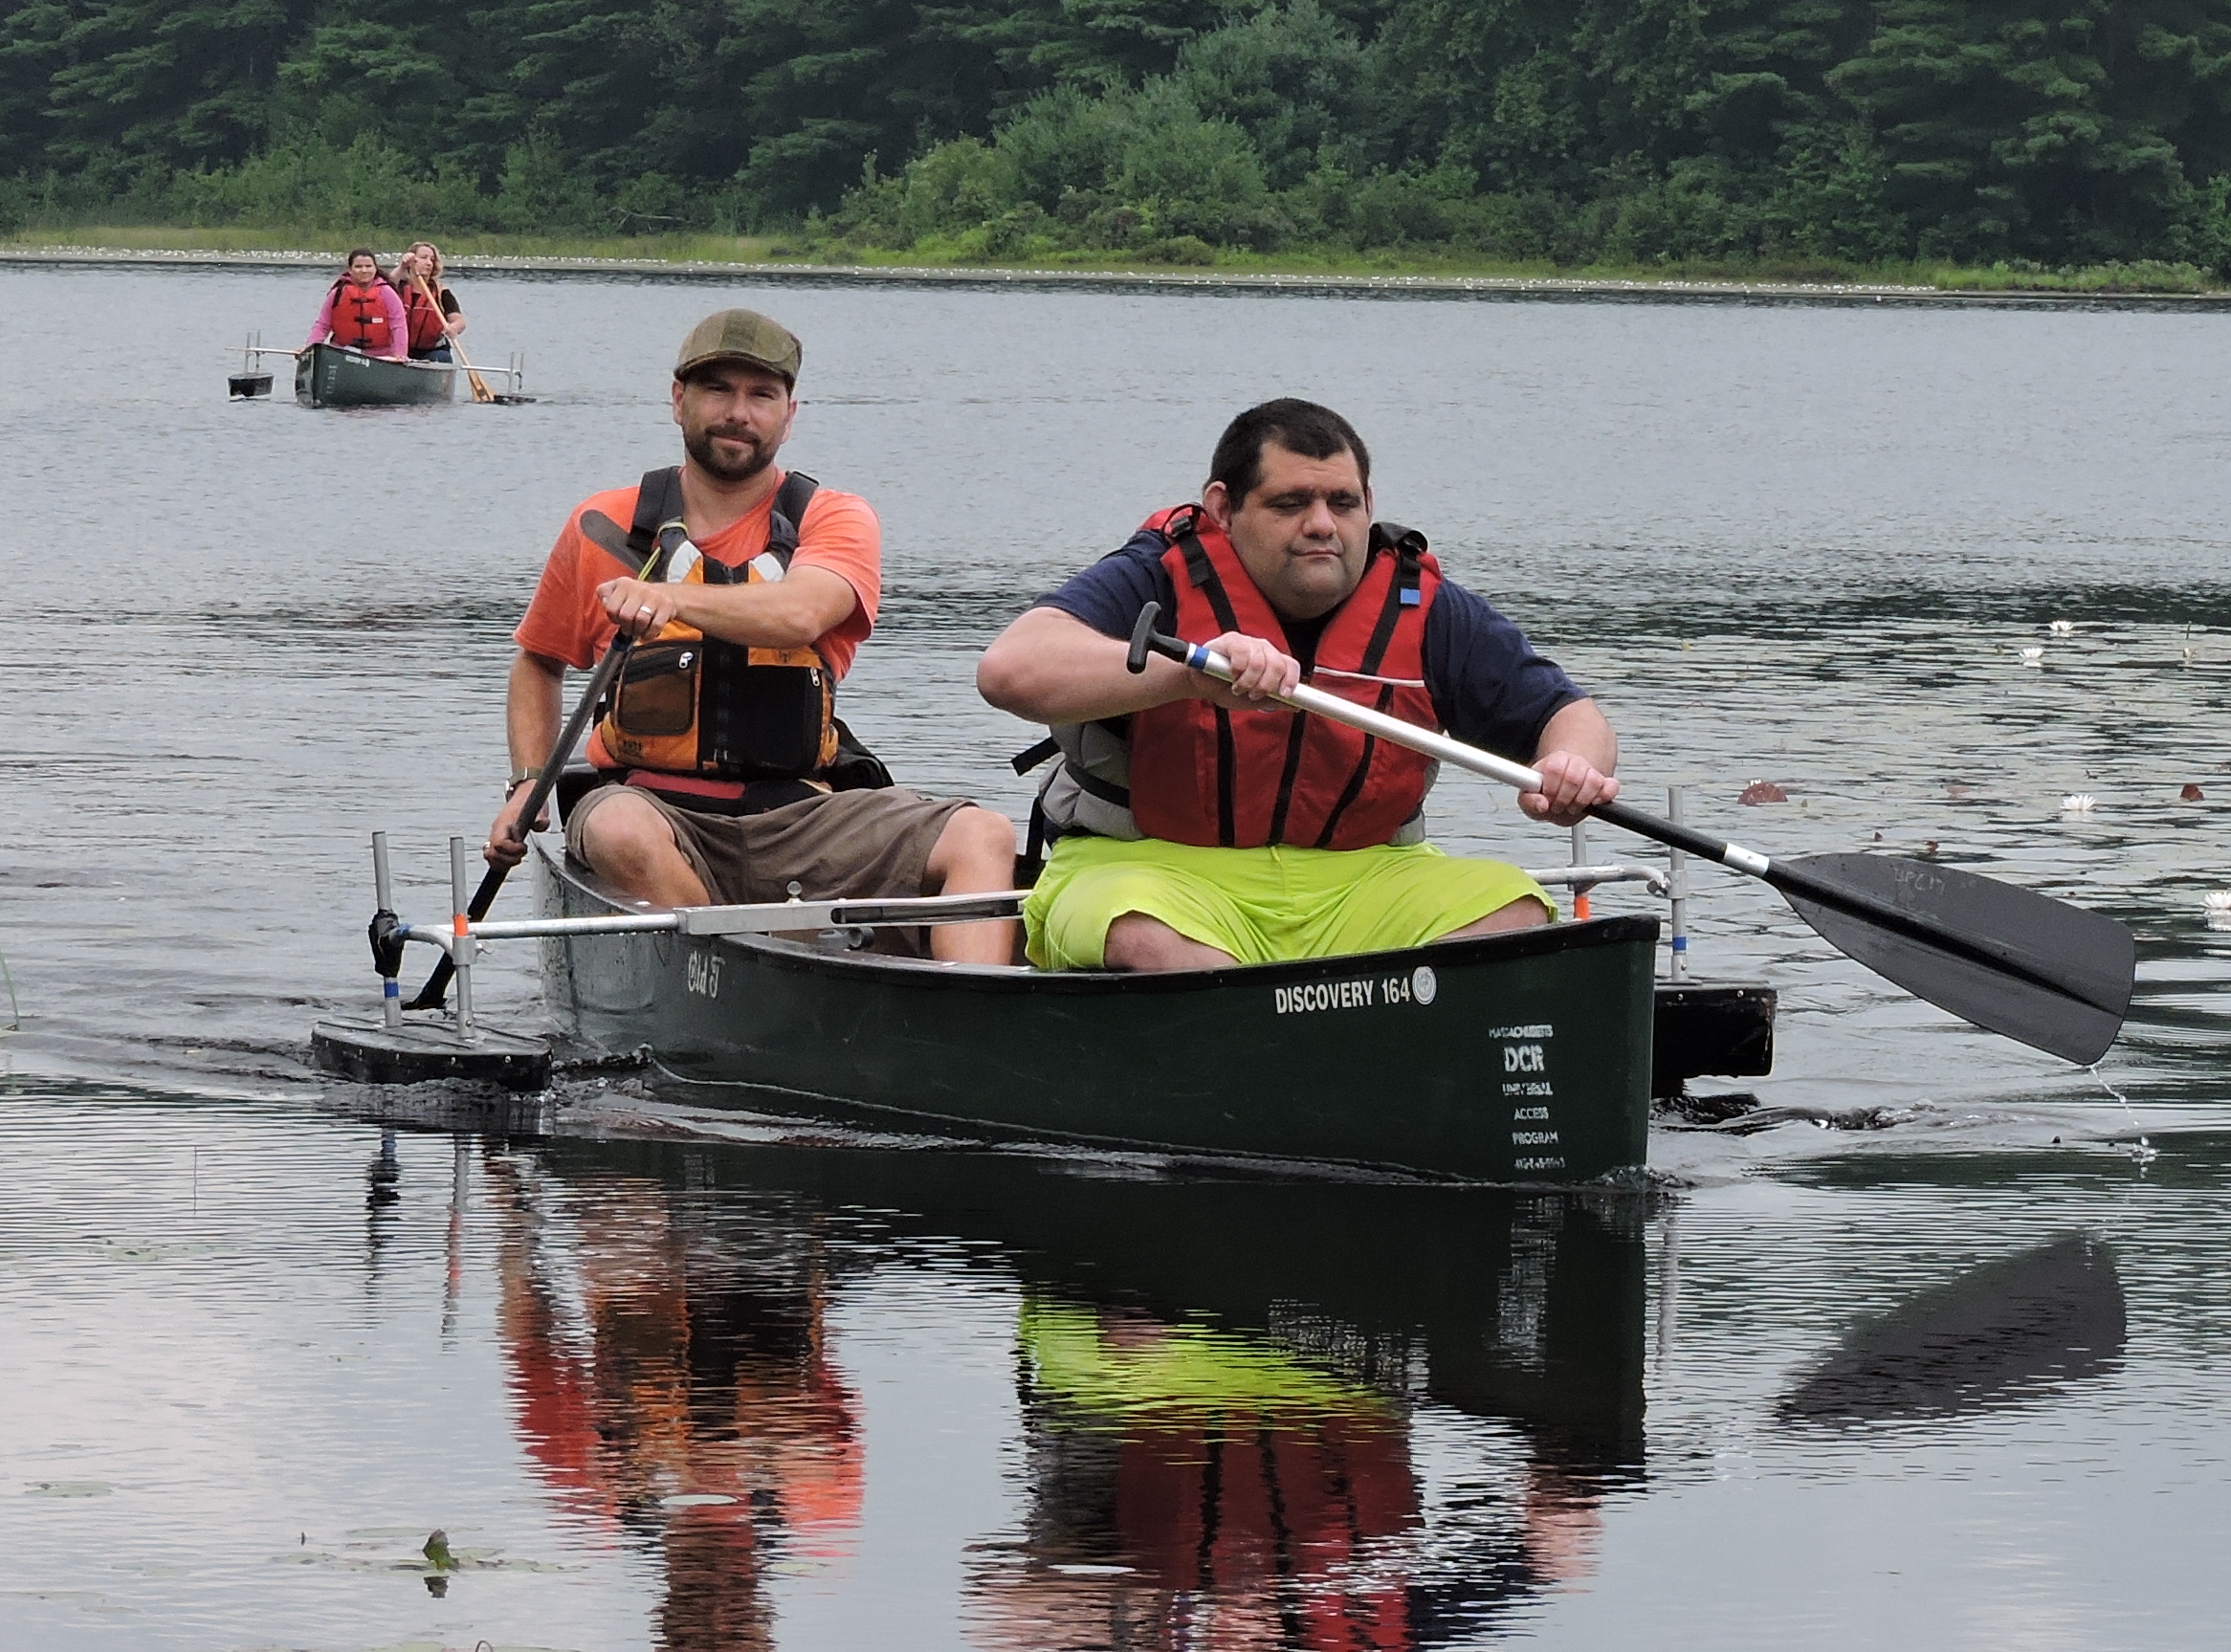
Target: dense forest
2039	133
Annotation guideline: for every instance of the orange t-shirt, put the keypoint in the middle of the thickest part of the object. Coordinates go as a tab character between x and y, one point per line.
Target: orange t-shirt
565	621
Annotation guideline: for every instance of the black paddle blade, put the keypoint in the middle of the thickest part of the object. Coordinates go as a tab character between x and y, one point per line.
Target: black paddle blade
2050	974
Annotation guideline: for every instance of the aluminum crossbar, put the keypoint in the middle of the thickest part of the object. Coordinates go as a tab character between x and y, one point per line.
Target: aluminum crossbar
778	917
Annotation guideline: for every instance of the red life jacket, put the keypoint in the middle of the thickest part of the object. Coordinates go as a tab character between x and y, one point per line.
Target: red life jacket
360	320
1203	775
425	319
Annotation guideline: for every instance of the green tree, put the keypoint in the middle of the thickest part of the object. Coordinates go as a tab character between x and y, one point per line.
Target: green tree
1290	76
395	71
139	80
2000	134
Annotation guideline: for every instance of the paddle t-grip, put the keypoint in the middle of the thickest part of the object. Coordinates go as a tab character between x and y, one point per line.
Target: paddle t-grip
1145	640
1142	638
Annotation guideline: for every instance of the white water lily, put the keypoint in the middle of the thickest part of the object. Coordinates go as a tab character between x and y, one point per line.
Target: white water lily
2063	627
2078	802
2033	656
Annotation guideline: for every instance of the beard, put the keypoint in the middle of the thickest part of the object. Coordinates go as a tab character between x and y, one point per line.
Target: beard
698	445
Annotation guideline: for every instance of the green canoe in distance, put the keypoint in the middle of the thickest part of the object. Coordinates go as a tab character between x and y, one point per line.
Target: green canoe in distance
328	376
1518	1058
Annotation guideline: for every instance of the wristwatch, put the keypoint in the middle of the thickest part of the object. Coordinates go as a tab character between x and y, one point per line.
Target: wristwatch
519	775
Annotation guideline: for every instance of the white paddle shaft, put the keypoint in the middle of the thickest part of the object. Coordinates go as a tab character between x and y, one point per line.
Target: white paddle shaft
1200	657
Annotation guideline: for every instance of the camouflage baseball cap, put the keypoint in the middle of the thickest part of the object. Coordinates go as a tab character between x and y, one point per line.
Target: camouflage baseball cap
740	335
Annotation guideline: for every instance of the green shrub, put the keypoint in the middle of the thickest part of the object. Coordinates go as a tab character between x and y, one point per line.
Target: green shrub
1179	250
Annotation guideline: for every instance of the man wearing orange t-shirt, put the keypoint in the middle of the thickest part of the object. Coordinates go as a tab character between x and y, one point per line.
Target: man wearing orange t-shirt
722	742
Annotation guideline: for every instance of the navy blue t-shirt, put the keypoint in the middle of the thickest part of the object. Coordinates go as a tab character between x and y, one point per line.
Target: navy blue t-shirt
1489	685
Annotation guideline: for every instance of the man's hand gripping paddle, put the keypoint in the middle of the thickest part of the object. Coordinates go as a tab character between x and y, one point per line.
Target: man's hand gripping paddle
2050	974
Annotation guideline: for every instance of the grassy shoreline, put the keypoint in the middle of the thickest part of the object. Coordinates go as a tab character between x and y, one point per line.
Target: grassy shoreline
1409	264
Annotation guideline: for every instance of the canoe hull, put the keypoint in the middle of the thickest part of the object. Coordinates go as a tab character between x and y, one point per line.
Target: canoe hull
1520	1058
327	376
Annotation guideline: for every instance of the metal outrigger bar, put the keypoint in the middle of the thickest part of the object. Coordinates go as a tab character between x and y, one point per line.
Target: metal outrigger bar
395	1050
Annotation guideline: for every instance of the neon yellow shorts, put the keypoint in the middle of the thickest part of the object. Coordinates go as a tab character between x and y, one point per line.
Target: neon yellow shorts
1260	905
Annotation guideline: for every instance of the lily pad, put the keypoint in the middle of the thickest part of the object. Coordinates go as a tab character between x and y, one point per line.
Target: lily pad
150	1250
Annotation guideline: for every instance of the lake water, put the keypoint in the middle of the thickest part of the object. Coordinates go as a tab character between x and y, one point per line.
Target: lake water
667	1381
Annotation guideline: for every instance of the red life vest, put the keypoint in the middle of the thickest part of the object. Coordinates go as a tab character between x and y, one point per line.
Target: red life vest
1203	775
425	319
360	320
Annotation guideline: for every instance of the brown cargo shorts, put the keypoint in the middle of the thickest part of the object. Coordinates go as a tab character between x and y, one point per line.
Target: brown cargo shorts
858	844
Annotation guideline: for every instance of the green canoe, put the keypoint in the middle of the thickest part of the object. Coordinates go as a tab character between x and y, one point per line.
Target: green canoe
1518	1058
328	376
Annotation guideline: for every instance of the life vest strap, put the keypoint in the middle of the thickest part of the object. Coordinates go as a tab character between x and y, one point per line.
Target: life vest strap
1031	757
1354	789
1091	785
728	798
1203	573
1405	544
658	504
1288	773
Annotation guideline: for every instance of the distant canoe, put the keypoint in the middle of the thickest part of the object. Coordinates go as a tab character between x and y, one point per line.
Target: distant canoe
328	376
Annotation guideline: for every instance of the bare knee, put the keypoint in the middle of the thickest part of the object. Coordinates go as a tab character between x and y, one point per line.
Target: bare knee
1524	913
627	840
1136	941
974	851
622	831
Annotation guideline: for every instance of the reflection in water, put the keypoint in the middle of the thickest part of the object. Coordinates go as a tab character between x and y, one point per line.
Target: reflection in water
1263	1482
1189	1487
1253	1414
679	1390
2000	1332
382	1192
742	1396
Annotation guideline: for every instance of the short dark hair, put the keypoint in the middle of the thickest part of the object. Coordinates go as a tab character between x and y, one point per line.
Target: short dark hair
1298	426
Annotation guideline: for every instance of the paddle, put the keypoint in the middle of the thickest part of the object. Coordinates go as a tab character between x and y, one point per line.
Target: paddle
480	391
600	682
2050	974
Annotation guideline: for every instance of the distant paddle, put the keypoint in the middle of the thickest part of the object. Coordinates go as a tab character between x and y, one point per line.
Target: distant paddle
480	391
2050	974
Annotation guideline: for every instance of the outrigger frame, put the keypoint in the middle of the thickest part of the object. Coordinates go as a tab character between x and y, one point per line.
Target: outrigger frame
398	1050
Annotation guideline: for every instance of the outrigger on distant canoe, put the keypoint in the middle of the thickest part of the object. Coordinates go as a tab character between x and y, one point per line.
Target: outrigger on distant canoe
335	376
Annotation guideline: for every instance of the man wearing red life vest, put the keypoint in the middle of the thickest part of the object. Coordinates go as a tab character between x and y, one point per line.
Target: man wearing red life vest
1194	823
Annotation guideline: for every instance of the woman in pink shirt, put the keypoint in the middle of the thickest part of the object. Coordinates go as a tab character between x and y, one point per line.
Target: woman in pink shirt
363	312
